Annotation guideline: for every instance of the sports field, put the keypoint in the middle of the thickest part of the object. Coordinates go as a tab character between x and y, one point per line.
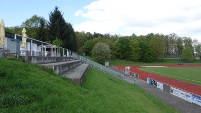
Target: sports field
186	74
185	77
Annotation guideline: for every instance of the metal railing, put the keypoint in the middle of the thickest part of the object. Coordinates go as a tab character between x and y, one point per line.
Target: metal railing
100	67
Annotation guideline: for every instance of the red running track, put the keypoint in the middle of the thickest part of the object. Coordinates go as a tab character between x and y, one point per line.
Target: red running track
192	88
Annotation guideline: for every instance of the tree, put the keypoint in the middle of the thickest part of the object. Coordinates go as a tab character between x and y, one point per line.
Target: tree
111	43
122	46
188	42
101	52
88	36
80	41
88	46
187	54
70	41
179	46
198	50
57	42
32	25
157	45
32	22
171	45
56	25
42	31
135	50
97	39
15	30
146	53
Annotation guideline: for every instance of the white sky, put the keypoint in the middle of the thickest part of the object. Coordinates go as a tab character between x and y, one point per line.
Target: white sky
121	17
141	17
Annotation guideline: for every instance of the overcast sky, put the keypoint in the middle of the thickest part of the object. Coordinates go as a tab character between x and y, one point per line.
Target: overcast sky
123	17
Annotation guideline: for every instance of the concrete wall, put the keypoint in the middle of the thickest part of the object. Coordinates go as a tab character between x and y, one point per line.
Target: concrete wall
5	42
42	60
13	45
62	68
79	80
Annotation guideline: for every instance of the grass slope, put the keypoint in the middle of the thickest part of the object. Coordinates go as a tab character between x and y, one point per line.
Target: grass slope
190	75
28	88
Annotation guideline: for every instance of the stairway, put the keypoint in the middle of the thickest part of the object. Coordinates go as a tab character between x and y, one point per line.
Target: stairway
64	66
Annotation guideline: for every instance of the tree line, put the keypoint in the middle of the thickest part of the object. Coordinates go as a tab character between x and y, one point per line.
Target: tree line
146	48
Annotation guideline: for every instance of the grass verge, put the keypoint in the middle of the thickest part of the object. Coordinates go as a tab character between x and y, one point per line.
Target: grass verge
30	88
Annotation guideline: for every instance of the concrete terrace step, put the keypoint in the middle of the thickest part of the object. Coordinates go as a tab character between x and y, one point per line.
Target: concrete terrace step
43	60
76	74
62	67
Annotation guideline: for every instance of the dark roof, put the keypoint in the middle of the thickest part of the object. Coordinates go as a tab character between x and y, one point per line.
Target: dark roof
38	42
19	37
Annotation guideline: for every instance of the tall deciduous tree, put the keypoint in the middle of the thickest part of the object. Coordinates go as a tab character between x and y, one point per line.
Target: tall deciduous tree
101	52
88	46
157	45
198	50
188	42
187	54
80	41
34	21
180	47
15	30
32	25
146	53
122	48
135	50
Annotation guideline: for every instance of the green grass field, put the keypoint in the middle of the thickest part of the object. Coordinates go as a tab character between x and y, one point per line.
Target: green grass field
118	62
190	75
30	88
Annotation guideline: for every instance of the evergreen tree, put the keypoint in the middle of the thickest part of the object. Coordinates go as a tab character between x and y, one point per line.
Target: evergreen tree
42	31
70	41
56	25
